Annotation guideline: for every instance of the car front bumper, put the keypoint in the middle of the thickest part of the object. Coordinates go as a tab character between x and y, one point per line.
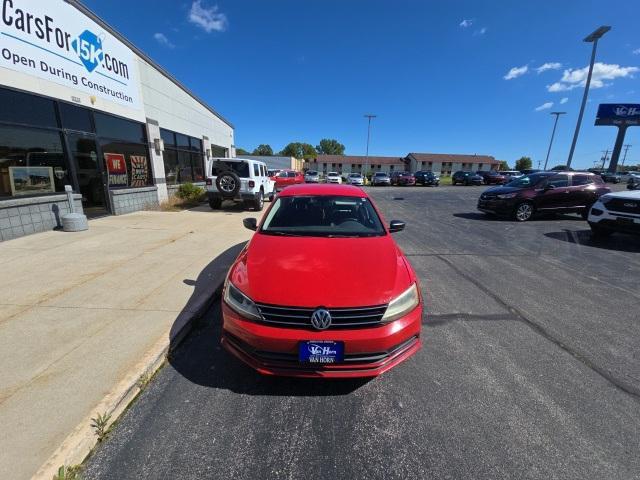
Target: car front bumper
369	352
616	222
498	206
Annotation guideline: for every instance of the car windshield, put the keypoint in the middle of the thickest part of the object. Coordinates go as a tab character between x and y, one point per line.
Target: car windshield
333	174
312	172
528	180
379	174
323	216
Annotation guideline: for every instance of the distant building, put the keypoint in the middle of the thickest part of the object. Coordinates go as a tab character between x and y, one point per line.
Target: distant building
275	162
447	163
442	163
345	164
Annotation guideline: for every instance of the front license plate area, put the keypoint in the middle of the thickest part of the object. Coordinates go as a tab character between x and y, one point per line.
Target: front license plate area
321	352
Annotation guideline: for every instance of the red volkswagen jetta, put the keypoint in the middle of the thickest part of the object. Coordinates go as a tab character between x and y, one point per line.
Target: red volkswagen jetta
322	290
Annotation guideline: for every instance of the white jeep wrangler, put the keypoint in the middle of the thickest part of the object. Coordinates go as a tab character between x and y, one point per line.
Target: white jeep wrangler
241	180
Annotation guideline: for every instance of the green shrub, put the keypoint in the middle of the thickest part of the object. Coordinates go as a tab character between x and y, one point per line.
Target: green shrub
190	193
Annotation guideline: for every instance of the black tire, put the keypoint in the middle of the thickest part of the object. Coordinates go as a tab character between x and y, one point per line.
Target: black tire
215	203
272	195
523	212
599	232
258	203
228	184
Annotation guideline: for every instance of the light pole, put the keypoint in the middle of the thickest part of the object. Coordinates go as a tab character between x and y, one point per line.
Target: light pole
366	161
553	133
592	38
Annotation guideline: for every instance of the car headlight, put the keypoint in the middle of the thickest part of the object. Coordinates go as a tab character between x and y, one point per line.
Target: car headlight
507	195
402	304
239	302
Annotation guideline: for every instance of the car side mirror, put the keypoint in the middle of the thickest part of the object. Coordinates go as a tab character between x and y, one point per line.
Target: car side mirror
250	223
396	226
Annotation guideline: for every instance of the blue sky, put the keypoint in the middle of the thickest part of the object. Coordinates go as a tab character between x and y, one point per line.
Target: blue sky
433	71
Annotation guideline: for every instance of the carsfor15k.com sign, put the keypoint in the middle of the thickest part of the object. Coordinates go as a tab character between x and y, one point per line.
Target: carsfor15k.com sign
57	42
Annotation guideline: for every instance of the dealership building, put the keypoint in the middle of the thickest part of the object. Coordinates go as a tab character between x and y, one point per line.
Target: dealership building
81	106
440	163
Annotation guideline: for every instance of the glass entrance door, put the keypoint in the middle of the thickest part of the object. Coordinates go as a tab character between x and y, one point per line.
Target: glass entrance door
89	170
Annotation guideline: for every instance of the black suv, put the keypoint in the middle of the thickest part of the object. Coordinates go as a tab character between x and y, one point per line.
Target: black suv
466	178
424	177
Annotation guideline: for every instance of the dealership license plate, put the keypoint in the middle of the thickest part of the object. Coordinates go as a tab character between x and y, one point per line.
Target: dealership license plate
321	352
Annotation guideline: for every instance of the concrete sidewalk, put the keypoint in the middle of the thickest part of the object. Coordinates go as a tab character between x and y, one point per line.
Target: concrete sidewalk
82	315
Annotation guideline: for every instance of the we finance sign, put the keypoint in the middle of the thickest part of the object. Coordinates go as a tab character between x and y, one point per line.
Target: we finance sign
54	41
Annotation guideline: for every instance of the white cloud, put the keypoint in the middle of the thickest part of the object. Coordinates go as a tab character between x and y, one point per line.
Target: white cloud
544	106
549	66
162	39
482	31
466	23
515	72
575	78
636	51
564	100
207	18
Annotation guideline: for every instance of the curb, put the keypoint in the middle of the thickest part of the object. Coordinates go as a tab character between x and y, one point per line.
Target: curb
81	441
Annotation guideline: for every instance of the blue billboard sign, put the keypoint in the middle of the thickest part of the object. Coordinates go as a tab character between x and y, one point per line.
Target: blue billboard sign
618	114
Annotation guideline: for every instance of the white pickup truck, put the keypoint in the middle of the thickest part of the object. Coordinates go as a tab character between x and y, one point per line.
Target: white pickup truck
240	180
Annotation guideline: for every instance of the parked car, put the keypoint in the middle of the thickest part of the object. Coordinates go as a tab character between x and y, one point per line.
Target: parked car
626	176
348	326
466	178
611	177
424	177
312	176
273	172
240	180
286	178
380	178
634	182
529	171
491	177
355	179
560	192
402	178
511	175
334	177
615	212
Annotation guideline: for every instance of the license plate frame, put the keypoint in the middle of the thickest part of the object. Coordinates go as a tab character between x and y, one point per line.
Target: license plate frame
321	352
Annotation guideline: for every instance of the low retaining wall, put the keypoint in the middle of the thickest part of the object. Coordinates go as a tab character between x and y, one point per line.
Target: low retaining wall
129	200
24	216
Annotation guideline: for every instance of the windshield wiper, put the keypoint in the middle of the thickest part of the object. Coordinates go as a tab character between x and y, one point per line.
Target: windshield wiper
281	233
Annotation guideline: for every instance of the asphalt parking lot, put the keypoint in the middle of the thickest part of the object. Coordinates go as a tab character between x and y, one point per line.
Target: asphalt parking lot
530	369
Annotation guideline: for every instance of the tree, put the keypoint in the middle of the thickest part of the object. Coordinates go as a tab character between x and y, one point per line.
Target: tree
504	165
241	151
561	168
524	163
299	150
330	146
264	150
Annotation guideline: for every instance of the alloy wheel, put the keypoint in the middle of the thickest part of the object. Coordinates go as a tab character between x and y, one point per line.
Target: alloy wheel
524	212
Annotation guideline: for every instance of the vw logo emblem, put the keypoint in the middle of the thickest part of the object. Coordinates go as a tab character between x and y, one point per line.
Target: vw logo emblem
321	319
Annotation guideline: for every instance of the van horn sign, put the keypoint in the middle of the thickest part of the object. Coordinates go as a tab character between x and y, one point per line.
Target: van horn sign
54	41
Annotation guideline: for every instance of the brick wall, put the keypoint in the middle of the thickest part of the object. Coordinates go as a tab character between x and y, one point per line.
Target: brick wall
24	216
129	200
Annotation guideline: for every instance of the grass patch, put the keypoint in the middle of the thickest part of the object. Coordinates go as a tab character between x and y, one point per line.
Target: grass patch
445	180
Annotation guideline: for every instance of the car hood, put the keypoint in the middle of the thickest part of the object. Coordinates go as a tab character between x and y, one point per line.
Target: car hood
328	272
631	195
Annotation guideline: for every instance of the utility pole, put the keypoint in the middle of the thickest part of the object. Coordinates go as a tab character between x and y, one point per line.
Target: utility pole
605	157
553	133
626	149
592	38
369	116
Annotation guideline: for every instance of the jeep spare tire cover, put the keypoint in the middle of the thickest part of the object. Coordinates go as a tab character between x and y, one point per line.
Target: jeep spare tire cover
228	184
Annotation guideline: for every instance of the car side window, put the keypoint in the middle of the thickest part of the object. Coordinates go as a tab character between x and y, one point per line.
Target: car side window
578	180
558	181
256	170
291	174
282	174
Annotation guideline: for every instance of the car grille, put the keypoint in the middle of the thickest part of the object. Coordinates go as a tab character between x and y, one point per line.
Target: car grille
623	205
487	196
300	317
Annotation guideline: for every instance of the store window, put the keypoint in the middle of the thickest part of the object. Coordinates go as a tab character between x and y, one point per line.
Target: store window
108	126
32	162
127	163
17	107
218	151
183	158
75	118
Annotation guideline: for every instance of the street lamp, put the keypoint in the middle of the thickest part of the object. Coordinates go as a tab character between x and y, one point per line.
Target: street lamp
553	133
366	161
592	38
